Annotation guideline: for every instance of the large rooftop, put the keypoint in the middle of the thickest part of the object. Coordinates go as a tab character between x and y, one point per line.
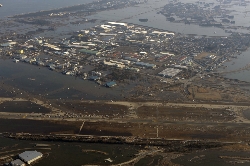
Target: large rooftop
29	156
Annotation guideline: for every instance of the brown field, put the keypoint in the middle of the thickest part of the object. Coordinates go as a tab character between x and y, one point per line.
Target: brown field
202	55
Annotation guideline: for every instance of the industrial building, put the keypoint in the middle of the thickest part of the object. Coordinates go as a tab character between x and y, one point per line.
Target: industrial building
17	162
30	156
169	72
143	64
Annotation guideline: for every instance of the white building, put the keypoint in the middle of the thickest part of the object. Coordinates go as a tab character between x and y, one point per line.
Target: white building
30	156
169	72
17	162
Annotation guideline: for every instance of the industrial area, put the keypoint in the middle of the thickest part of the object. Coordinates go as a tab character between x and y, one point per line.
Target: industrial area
108	92
117	53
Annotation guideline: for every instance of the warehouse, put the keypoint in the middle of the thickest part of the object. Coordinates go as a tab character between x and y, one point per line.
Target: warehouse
30	156
169	72
17	162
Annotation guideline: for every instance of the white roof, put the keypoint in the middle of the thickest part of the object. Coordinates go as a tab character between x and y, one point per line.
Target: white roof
30	155
118	23
17	162
167	33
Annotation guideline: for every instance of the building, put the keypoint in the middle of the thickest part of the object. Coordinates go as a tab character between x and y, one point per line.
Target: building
110	84
169	72
30	156
89	52
143	64
17	162
9	44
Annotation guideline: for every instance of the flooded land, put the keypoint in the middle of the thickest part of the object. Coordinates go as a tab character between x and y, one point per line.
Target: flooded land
125	82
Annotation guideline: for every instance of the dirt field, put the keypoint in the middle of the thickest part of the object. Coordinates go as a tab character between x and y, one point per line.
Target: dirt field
185	114
203	55
97	108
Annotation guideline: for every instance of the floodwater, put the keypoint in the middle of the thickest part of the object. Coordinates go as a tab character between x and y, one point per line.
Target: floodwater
131	14
211	157
71	153
52	85
13	7
36	126
149	10
241	61
22	107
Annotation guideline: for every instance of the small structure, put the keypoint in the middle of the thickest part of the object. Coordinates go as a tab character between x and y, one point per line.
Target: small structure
17	162
110	84
94	78
30	156
9	44
89	52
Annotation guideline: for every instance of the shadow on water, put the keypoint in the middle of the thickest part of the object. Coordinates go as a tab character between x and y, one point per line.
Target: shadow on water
70	153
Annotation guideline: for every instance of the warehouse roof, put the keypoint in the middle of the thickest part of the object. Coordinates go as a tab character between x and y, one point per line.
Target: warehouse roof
17	162
169	72
28	156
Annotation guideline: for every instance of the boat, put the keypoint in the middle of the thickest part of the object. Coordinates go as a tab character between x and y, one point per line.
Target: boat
1	5
143	19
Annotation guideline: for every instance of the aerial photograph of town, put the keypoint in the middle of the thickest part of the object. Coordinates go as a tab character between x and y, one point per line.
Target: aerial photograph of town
125	82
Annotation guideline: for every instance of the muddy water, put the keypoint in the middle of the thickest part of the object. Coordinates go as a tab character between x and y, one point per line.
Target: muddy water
22	107
65	153
32	126
13	7
52	85
211	157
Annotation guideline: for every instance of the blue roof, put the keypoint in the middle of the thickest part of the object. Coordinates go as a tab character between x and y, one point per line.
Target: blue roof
110	84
